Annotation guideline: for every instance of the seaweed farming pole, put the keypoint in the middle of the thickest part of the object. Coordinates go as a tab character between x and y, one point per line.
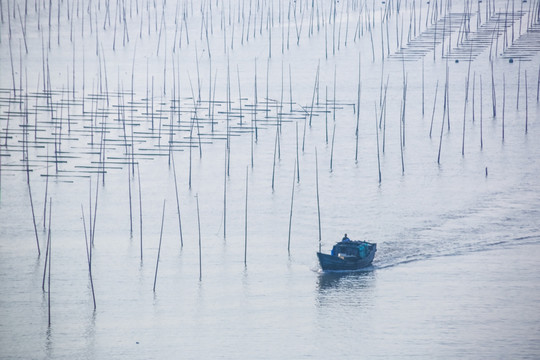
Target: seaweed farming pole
177	203
290	88
465	112
274	162
46	258
255	102
46	188
401	134
334	104
291	212
88	257
199	227
140	212
481	124
434	103
422	77
503	106
538	86
518	75
473	95
326	114
32	206
297	155
159	247
358	108
313	97
493	96
332	148
239	93
447	95
404	98
246	219
0	173
49	262
383	117
442	125
538	83
526	104
225	196
318	202
377	134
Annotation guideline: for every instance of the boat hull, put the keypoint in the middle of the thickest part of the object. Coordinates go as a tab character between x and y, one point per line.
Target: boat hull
336	263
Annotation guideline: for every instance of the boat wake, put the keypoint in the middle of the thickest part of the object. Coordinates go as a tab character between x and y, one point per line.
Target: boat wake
393	254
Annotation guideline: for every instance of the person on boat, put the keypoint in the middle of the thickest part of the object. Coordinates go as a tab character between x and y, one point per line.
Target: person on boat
345	238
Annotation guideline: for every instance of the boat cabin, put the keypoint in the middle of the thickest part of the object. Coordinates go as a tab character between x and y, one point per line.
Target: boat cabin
350	249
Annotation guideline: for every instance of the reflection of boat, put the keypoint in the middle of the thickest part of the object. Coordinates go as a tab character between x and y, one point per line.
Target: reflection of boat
348	255
351	280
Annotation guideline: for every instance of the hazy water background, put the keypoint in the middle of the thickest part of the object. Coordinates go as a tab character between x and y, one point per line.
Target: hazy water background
456	273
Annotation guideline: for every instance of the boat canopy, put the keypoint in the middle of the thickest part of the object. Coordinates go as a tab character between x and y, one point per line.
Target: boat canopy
351	248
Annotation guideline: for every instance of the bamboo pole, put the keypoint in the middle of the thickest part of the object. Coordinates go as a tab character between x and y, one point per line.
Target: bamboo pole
177	203
326	115
526	104
400	137
88	257
503	106
313	97
46	260
318	198
291	212
356	132
49	278
246	220
199	227
538	86
46	188
433	112
493	96
32	207
519	72
297	155
465	114
442	125
140	212
481	120
377	134
159	248
225	196
332	148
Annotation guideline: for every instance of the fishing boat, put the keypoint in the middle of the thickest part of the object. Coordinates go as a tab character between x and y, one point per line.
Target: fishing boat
348	255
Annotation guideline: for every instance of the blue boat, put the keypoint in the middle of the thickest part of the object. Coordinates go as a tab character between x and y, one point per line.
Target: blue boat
348	255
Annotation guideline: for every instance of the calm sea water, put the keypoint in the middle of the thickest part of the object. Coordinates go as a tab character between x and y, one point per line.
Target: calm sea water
456	272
